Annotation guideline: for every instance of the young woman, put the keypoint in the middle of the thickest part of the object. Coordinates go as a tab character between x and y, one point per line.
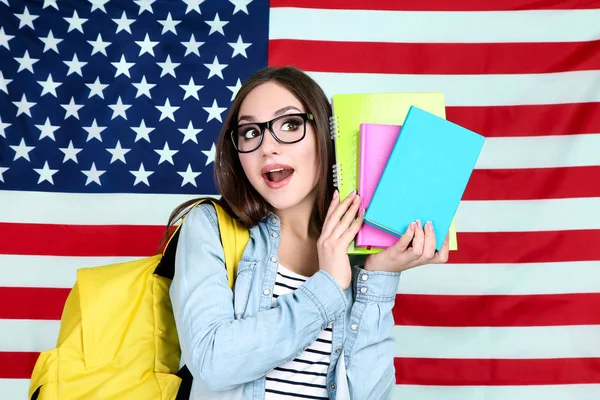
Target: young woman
302	322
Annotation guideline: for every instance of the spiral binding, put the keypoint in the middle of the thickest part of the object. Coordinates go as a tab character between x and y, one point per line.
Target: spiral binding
337	168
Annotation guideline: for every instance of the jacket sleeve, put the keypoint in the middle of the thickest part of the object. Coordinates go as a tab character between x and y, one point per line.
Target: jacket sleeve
370	347
220	351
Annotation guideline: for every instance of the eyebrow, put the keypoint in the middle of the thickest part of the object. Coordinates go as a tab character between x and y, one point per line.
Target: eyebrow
281	111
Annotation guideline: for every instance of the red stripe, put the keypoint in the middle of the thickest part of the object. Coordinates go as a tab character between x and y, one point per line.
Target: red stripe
32	303
525	247
435	58
80	240
485	372
438	5
533	120
533	183
496	310
17	365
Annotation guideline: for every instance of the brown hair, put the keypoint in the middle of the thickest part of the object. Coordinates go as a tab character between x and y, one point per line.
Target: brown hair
238	196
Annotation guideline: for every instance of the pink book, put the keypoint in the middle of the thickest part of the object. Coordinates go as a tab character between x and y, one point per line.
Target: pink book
375	146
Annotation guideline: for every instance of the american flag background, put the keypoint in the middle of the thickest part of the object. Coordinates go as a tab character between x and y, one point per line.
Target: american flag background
109	111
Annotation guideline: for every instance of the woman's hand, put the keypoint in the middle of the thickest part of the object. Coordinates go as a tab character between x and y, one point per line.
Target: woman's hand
415	247
339	228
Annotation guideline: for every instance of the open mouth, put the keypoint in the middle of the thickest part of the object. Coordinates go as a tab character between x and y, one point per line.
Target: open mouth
277	175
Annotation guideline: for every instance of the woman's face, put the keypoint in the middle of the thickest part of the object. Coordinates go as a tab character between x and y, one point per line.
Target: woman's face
285	175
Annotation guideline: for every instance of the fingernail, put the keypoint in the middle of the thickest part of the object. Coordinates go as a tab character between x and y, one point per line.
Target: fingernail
419	224
429	225
336	194
362	212
412	225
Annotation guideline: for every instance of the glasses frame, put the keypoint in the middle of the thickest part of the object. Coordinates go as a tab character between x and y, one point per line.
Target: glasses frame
269	125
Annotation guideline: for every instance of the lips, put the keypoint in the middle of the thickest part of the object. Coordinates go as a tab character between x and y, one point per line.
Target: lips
277	175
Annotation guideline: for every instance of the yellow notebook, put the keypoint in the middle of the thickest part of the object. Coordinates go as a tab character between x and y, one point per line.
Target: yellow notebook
349	111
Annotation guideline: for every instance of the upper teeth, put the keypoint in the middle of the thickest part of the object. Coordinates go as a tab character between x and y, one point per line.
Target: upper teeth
277	170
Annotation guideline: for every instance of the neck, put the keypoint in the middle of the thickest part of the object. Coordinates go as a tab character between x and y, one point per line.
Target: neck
297	220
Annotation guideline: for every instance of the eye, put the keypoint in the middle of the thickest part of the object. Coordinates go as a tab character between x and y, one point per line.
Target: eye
289	125
249	132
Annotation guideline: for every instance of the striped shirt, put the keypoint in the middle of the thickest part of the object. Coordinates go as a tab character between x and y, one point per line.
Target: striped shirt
305	377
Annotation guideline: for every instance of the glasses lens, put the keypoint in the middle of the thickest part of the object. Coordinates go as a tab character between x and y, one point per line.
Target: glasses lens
247	137
289	129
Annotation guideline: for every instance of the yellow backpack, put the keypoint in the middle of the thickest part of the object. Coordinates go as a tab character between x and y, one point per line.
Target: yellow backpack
117	336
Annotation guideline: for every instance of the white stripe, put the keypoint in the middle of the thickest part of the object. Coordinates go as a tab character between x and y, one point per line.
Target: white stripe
472	216
14	389
89	209
493	342
434	27
540	152
528	215
48	271
502	279
28	335
545	392
473	90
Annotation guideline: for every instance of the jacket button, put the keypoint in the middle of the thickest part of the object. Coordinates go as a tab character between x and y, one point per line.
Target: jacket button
266	292
332	386
363	290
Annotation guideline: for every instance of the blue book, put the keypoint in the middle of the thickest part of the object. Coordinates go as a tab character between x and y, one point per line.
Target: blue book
425	176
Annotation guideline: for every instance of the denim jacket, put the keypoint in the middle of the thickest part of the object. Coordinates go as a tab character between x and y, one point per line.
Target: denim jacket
231	339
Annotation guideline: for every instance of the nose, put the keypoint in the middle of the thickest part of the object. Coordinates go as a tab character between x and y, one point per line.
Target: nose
269	144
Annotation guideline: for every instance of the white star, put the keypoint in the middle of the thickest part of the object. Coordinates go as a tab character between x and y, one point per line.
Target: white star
234	89
5	2
50	42
189	176
143	88
146	46
214	111
190	133
145	5
123	23
141	175
142	132
2	171
215	69
167	111
4	82
26	19
239	47
118	153
191	89
22	150
49	86
96	88
4	38
119	109
50	3
98	5
94	131
26	62
240	5
3	126
166	154
93	175
75	66
210	154
98	45
47	130
70	153
168	67
168	24
23	106
193	5
192	46
122	67
216	25
75	22
45	173
72	108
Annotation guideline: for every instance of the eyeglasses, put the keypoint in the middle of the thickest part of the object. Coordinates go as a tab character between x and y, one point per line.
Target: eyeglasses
287	129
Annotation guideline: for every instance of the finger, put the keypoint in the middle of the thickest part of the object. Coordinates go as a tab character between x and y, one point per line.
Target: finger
417	244
430	244
402	244
441	256
336	214
347	219
351	232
